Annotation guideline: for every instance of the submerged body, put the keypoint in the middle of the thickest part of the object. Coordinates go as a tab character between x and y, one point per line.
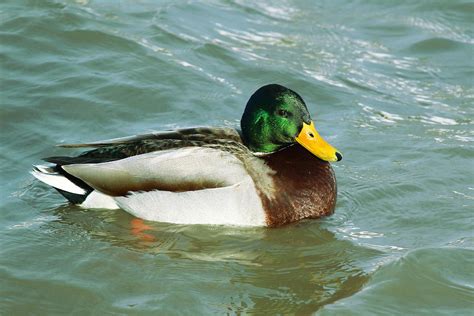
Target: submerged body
209	175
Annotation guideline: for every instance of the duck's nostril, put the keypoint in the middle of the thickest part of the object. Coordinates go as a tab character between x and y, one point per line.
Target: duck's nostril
338	156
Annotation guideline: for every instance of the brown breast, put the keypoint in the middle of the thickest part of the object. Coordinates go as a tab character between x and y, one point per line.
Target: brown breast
305	187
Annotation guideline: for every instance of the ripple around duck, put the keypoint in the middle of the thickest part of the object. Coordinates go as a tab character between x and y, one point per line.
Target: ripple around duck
310	271
348	204
395	77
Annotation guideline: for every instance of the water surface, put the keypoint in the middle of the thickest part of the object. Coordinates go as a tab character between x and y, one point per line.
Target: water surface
389	83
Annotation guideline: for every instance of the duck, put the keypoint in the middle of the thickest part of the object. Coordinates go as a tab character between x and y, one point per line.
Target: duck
273	171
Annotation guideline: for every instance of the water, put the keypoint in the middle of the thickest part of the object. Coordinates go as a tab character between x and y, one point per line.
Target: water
389	84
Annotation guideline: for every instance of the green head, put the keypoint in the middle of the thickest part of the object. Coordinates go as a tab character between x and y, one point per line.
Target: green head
276	117
273	117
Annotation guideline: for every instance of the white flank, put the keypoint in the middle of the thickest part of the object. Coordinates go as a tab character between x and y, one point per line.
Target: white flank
191	166
99	200
228	197
57	180
238	204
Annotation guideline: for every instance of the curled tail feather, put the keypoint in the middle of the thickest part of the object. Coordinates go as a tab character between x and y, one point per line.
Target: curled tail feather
73	189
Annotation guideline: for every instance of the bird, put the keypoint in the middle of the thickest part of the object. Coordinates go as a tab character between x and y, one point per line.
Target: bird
273	171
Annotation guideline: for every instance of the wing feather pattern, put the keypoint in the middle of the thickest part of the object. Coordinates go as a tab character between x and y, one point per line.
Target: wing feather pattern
191	134
177	170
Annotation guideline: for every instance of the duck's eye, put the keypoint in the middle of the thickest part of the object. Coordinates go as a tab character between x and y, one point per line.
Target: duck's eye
283	113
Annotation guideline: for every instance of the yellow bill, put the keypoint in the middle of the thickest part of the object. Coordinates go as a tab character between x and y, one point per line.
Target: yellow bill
310	139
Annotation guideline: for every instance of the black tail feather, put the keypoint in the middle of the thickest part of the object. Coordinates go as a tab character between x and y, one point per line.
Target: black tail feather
72	197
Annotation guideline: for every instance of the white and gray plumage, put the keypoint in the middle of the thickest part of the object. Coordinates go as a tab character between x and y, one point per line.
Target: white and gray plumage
256	177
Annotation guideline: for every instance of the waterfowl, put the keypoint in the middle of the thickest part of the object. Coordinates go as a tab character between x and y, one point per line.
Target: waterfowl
273	171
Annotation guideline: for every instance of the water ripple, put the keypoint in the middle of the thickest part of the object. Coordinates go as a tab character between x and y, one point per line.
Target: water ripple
392	81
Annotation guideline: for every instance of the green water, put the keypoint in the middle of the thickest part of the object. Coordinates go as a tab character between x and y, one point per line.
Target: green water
389	83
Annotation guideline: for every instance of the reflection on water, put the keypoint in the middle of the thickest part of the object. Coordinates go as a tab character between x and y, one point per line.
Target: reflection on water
389	83
294	269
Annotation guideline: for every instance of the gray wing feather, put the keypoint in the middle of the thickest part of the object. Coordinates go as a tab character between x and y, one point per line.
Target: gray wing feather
191	134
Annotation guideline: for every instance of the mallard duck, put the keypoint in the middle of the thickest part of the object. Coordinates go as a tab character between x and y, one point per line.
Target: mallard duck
273	171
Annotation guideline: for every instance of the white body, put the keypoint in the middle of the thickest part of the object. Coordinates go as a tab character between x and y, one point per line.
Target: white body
232	199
